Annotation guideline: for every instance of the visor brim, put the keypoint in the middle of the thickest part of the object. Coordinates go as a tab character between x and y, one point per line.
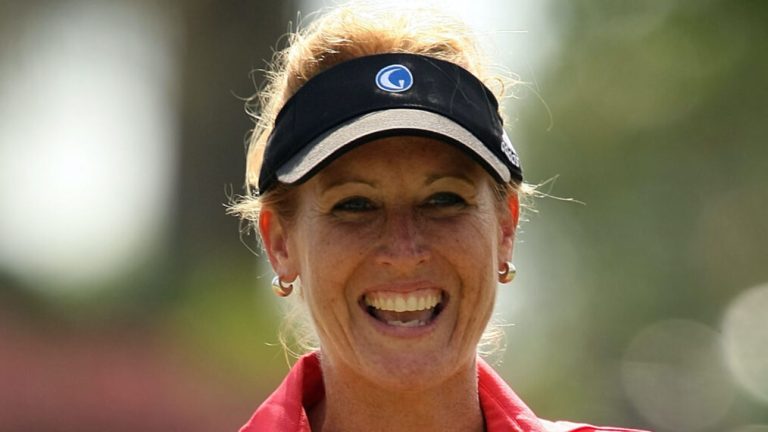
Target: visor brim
367	127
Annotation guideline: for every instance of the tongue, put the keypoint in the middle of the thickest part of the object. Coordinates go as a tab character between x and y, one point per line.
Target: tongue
385	315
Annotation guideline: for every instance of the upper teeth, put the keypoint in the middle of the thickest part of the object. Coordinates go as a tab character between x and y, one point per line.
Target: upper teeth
403	302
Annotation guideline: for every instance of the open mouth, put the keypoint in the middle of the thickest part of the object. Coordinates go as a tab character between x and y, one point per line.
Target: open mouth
412	309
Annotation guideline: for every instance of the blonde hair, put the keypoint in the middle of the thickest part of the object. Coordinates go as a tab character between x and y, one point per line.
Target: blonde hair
346	32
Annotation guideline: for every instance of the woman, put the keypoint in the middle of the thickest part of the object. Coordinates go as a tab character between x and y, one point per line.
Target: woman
386	190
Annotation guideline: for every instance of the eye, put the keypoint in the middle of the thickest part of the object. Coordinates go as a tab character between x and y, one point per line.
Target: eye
355	204
445	199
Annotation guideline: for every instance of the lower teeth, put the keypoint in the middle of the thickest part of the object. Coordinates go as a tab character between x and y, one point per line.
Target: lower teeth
413	323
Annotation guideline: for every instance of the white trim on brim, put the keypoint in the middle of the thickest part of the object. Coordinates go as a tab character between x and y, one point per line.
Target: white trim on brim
331	142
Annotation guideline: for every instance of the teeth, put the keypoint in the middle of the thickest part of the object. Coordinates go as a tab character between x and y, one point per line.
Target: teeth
404	302
413	323
413	304
400	304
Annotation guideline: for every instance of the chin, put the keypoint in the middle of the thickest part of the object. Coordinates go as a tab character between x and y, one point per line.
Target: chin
411	371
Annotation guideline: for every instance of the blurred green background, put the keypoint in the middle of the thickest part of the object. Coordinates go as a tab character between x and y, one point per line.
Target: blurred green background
129	302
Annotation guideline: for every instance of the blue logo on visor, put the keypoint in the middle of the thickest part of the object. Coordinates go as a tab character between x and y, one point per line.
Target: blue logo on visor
394	78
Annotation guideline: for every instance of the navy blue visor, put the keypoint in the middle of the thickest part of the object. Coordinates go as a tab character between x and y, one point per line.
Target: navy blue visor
380	96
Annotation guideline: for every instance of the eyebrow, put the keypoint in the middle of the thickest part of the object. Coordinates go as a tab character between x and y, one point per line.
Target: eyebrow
432	178
325	187
460	177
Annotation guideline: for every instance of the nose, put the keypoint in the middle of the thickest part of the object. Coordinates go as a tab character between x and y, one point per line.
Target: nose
403	245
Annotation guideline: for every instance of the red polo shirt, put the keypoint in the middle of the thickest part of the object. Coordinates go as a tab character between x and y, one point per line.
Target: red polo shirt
284	410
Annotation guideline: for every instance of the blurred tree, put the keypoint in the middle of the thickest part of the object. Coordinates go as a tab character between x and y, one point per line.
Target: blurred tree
658	124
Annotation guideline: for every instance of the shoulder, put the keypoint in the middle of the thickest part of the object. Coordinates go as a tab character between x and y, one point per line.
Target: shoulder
564	426
504	410
285	409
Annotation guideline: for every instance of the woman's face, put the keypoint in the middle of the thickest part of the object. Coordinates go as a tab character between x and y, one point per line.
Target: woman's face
397	245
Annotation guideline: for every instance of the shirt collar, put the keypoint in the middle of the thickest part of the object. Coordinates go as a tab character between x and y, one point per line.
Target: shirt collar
286	409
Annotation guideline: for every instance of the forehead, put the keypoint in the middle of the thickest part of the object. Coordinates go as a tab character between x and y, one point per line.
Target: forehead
400	157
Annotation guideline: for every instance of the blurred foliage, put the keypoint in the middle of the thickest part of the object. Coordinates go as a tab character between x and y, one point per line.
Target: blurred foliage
653	116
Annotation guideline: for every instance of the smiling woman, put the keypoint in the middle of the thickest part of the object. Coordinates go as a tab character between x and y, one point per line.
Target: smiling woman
379	216
385	189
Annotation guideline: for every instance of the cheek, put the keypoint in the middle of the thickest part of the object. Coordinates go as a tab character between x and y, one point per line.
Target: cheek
471	248
472	239
329	257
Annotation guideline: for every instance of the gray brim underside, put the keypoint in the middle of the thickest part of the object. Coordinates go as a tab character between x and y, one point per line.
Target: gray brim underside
357	129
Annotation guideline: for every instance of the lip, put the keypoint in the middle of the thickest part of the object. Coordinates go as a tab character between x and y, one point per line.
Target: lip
404	287
402	332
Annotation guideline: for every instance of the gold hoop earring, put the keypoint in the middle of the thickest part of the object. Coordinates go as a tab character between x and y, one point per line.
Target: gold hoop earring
507	272
280	288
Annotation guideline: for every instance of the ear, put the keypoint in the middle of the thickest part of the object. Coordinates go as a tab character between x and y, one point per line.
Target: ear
508	219
275	240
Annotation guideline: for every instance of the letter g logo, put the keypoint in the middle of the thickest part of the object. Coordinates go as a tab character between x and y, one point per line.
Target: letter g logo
394	78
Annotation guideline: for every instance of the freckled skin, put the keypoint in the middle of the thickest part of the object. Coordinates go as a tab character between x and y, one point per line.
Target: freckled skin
393	210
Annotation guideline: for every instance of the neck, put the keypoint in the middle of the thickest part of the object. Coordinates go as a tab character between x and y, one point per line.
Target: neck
353	404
